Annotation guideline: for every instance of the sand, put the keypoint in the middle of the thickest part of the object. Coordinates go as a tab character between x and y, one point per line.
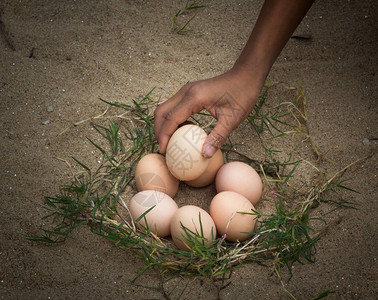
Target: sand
59	57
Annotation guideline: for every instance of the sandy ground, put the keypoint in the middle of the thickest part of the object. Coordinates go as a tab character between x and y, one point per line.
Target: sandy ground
59	57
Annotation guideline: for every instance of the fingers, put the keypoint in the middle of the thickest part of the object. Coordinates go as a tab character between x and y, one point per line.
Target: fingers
229	113
215	140
171	114
165	106
160	117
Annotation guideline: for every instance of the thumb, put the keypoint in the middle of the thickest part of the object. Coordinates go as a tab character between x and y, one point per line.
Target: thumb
215	140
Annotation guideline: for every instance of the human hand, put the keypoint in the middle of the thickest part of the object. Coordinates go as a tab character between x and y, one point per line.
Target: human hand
229	98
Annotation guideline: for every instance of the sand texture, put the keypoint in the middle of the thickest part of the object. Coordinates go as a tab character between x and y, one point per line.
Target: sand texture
59	56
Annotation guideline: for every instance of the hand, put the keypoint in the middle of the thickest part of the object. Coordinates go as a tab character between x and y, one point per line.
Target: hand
229	98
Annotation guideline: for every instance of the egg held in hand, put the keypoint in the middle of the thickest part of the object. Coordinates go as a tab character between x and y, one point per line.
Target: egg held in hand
160	210
232	214
152	173
241	178
183	155
189	223
208	176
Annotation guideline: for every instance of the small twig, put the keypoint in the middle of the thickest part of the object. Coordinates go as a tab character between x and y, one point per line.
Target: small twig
282	284
339	173
100	116
69	166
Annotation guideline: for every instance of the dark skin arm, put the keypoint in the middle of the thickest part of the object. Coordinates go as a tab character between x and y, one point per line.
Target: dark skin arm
230	97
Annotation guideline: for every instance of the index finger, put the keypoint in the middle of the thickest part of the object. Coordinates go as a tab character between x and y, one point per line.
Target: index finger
170	117
164	107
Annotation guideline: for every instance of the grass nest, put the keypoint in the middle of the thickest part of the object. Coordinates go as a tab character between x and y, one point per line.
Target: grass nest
98	196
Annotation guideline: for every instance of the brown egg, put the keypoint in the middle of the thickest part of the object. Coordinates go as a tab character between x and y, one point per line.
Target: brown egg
183	155
197	223
225	209
152	173
159	217
208	176
241	178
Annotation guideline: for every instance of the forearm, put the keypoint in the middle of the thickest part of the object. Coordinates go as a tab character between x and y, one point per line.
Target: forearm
276	23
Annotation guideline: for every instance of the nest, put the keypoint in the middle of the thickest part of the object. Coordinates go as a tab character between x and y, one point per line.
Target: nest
285	235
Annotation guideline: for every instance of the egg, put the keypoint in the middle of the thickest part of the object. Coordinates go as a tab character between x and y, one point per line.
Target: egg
208	176
197	223
152	173
159	217
183	155
225	209
241	178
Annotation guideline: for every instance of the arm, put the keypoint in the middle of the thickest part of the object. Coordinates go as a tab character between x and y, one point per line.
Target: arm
276	23
230	97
